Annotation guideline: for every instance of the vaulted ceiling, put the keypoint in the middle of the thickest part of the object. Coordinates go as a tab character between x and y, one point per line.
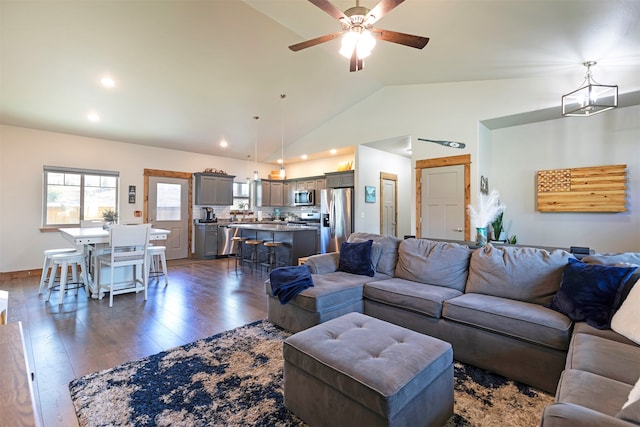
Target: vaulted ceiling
190	74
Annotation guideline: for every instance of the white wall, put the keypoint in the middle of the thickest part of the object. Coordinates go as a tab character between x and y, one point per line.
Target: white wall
517	153
369	163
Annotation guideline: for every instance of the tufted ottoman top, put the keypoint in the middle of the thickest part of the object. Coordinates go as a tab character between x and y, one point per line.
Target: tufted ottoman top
381	365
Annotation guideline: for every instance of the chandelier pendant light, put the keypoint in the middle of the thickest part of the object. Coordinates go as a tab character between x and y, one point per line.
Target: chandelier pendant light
592	97
282	170
255	153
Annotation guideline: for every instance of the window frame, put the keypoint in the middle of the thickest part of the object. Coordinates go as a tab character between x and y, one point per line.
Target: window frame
77	171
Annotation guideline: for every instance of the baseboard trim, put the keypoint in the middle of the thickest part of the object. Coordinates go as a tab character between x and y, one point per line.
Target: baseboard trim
22	274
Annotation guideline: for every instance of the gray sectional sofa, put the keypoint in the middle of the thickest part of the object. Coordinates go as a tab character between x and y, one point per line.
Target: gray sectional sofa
491	304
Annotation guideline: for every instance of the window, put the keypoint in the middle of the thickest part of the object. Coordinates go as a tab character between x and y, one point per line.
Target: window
75	195
241	198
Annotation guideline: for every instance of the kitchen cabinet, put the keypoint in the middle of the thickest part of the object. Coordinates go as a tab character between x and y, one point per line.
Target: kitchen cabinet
206	241
340	179
214	189
271	193
287	189
277	193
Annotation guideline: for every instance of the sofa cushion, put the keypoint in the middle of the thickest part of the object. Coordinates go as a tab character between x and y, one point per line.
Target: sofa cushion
619	260
526	321
604	357
590	292
578	387
631	409
630	412
519	273
585	328
330	290
389	250
435	263
419	297
626	321
355	258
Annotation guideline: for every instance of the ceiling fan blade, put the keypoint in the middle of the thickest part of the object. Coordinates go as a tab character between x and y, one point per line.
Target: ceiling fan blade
401	38
355	63
305	44
330	9
381	9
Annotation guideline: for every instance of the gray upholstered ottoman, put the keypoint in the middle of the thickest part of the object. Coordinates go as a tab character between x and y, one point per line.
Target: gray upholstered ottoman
359	371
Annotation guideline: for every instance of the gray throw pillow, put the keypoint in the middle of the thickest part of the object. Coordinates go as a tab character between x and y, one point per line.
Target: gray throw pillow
520	273
434	263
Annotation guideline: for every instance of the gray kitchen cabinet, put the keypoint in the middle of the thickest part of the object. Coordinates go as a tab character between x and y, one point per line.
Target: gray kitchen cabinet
340	179
265	193
214	189
271	193
206	241
288	188
277	193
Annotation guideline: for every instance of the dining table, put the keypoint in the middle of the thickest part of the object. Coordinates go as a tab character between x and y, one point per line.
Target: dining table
94	242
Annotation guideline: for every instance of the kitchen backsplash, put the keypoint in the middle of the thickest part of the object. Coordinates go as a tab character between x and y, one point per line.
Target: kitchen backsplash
224	212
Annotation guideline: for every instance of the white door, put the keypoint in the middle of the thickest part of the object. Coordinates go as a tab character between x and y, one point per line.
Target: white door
169	209
443	202
388	198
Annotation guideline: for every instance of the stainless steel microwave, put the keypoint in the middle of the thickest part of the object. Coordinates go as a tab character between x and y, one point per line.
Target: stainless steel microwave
304	197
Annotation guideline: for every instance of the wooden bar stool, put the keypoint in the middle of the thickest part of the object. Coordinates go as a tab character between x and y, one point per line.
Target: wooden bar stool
158	262
254	260
272	260
237	249
47	264
64	260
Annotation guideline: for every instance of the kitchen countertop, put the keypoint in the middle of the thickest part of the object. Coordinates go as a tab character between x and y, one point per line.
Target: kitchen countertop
283	226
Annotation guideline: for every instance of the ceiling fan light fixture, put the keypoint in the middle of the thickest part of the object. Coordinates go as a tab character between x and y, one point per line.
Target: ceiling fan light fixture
591	98
360	40
349	42
365	45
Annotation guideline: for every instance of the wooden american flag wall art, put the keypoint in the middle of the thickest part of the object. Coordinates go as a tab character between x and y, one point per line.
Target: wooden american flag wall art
591	189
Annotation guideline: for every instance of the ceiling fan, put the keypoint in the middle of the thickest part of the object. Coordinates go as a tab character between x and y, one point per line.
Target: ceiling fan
358	34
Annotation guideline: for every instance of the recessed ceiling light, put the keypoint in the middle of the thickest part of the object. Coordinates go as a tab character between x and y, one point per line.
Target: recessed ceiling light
93	117
224	144
333	151
303	157
279	161
107	82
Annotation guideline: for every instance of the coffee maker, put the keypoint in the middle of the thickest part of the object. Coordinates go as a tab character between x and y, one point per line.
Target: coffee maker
208	215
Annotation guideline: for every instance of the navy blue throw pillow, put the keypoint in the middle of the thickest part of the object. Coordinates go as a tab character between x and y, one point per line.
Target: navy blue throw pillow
356	258
590	292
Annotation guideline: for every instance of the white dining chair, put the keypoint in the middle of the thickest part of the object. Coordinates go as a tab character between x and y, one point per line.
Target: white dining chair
128	248
157	262
4	305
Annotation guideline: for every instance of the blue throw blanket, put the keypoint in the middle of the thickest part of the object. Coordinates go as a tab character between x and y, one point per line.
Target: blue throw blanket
287	282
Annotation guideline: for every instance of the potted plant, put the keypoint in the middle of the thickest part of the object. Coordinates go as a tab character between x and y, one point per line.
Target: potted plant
488	210
110	216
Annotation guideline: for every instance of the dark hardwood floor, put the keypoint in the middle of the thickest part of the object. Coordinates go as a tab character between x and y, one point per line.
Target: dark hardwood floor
85	335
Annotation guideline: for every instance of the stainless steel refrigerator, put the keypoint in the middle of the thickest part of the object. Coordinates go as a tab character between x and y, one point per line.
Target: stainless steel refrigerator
336	208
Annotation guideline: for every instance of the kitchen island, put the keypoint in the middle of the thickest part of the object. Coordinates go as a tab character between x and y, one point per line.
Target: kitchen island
298	240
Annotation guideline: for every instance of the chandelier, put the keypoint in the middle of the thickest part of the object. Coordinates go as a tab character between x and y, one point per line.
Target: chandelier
592	97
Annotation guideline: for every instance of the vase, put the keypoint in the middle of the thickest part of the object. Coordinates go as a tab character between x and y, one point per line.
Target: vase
481	236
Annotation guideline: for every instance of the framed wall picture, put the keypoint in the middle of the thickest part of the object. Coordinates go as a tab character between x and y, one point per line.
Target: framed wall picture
369	194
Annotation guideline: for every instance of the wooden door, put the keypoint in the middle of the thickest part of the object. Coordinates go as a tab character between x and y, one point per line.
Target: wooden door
388	204
168	206
442	197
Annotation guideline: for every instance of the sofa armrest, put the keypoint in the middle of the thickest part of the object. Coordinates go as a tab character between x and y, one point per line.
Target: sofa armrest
571	415
323	263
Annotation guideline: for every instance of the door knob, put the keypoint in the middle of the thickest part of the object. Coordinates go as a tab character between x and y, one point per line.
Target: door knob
459	229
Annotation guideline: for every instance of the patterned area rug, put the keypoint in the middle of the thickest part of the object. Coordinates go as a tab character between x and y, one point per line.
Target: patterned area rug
235	378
